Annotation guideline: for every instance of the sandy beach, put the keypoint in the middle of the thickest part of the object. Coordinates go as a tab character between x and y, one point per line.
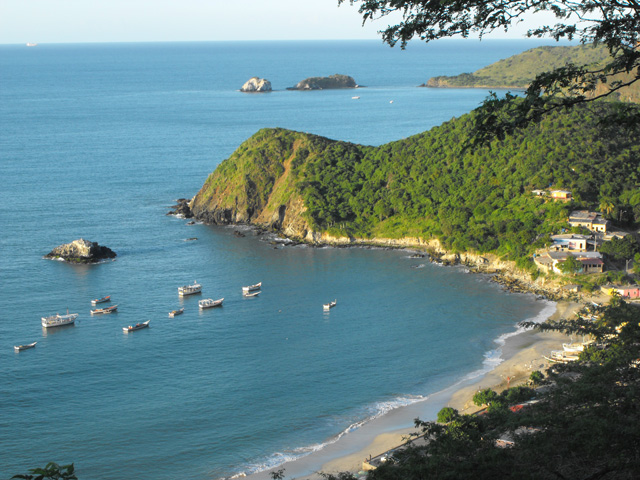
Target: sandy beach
521	354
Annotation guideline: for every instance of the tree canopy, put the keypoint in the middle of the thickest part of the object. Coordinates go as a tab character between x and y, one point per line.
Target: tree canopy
612	23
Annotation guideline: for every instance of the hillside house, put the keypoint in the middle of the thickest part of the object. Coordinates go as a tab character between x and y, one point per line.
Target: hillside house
625	291
591	220
569	241
563	195
539	193
591	261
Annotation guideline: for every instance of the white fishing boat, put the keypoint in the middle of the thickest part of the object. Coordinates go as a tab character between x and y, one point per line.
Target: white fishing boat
98	311
95	301
210	303
328	306
251	294
559	356
174	313
19	348
58	320
32	44
355	98
573	347
252	288
137	326
189	289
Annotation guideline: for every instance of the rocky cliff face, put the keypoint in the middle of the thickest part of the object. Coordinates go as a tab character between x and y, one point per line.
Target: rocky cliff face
257	185
255	84
81	251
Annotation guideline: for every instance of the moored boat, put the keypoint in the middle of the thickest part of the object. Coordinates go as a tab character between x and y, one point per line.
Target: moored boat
173	313
251	294
252	288
95	301
559	356
573	347
58	320
110	309
19	348
328	306
137	326
189	289
210	303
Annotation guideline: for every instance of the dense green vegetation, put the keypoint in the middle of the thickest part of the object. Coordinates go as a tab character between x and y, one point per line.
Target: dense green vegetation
432	185
518	71
435	185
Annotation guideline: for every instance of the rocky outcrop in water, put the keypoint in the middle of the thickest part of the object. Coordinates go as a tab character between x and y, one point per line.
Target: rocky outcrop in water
181	209
256	85
325	83
81	251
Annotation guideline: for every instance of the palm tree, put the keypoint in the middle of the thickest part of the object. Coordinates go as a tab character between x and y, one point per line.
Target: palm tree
607	207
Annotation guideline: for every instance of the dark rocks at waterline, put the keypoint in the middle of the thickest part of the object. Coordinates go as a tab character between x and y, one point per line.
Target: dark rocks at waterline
238	233
81	251
181	208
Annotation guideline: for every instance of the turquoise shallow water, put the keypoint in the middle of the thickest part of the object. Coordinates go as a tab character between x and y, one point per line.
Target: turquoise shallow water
97	142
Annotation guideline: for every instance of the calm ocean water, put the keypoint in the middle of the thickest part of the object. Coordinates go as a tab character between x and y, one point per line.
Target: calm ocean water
97	141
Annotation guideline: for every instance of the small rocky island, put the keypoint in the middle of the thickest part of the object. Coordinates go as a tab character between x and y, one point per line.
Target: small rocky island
326	83
256	85
81	251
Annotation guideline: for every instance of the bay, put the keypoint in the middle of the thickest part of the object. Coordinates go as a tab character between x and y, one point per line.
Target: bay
97	142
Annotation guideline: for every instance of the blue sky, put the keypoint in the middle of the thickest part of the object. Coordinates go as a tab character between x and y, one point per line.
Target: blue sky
62	21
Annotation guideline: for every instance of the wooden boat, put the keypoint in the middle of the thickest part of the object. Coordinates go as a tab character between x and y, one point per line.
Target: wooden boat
251	294
58	320
189	289
137	326
573	347
328	306
110	309
210	303
95	301
562	357
19	348
252	288
174	313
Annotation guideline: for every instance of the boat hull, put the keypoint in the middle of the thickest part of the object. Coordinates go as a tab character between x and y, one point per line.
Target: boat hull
210	303
59	320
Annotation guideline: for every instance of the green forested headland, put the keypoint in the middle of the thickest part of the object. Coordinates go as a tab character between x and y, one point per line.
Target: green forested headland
518	71
432	185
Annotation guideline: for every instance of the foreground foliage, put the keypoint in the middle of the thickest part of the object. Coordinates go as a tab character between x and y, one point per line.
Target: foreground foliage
611	23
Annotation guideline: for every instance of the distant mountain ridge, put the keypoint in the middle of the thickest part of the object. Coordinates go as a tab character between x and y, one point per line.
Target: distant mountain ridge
518	71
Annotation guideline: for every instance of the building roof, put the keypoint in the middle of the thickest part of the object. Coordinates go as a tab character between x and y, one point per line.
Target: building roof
582	215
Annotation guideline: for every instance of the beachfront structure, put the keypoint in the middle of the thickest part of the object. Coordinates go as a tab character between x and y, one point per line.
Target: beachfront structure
592	220
591	261
625	291
563	195
569	241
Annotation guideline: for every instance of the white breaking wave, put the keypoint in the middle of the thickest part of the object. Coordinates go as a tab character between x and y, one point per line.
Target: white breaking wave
372	412
493	358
